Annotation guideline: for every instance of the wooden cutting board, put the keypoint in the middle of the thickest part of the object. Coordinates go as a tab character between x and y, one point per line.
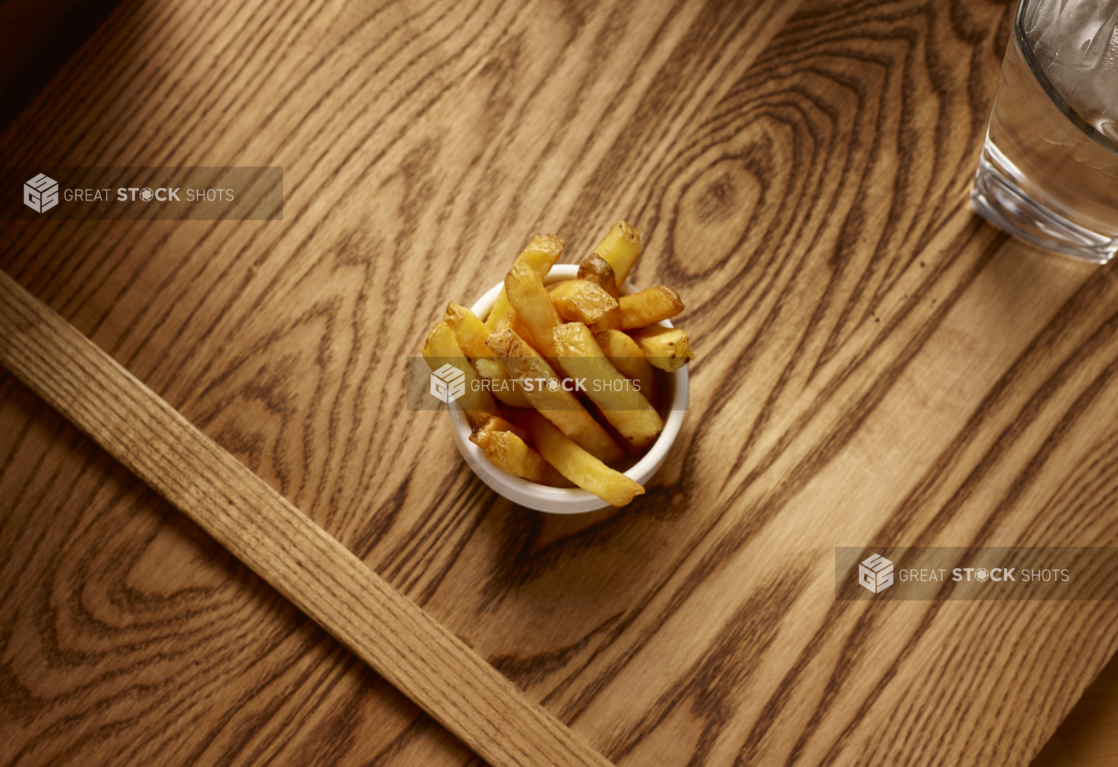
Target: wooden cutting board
875	366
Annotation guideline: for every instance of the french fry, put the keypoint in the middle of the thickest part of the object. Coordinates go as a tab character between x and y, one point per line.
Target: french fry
629	360
665	348
597	270
540	254
581	301
444	355
487	427
544	391
621	248
615	395
611	320
468	329
578	465
512	321
533	305
649	306
509	452
500	384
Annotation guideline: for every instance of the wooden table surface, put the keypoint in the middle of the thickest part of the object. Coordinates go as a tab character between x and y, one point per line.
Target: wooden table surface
875	366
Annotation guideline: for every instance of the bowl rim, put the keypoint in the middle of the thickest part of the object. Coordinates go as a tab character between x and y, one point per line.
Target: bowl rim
560	500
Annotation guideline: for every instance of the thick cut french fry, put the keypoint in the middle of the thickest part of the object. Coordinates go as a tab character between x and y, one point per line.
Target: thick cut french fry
442	352
500	308
509	452
616	396
578	465
621	248
581	301
512	321
544	390
533	305
468	329
487	427
541	253
500	384
649	306
629	360
665	348
596	269
611	320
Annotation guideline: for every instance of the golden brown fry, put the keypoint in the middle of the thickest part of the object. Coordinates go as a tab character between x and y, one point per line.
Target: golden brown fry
649	306
665	348
540	254
487	427
500	308
512	321
500	384
578	465
596	269
618	398
611	320
544	390
629	360
444	356
507	451
621	248
533	305
581	301
470	331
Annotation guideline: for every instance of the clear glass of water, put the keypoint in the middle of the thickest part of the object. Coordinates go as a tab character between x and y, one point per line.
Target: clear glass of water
1049	168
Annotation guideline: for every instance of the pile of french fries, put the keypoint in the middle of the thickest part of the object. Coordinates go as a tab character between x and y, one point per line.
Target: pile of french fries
520	364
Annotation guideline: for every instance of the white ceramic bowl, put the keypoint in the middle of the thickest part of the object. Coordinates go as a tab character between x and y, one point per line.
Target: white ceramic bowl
558	500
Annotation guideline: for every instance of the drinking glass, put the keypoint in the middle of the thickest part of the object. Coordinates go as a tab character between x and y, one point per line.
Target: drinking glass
1049	167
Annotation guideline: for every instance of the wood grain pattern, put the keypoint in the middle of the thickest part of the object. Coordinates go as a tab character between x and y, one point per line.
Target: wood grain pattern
875	366
112	597
259	527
